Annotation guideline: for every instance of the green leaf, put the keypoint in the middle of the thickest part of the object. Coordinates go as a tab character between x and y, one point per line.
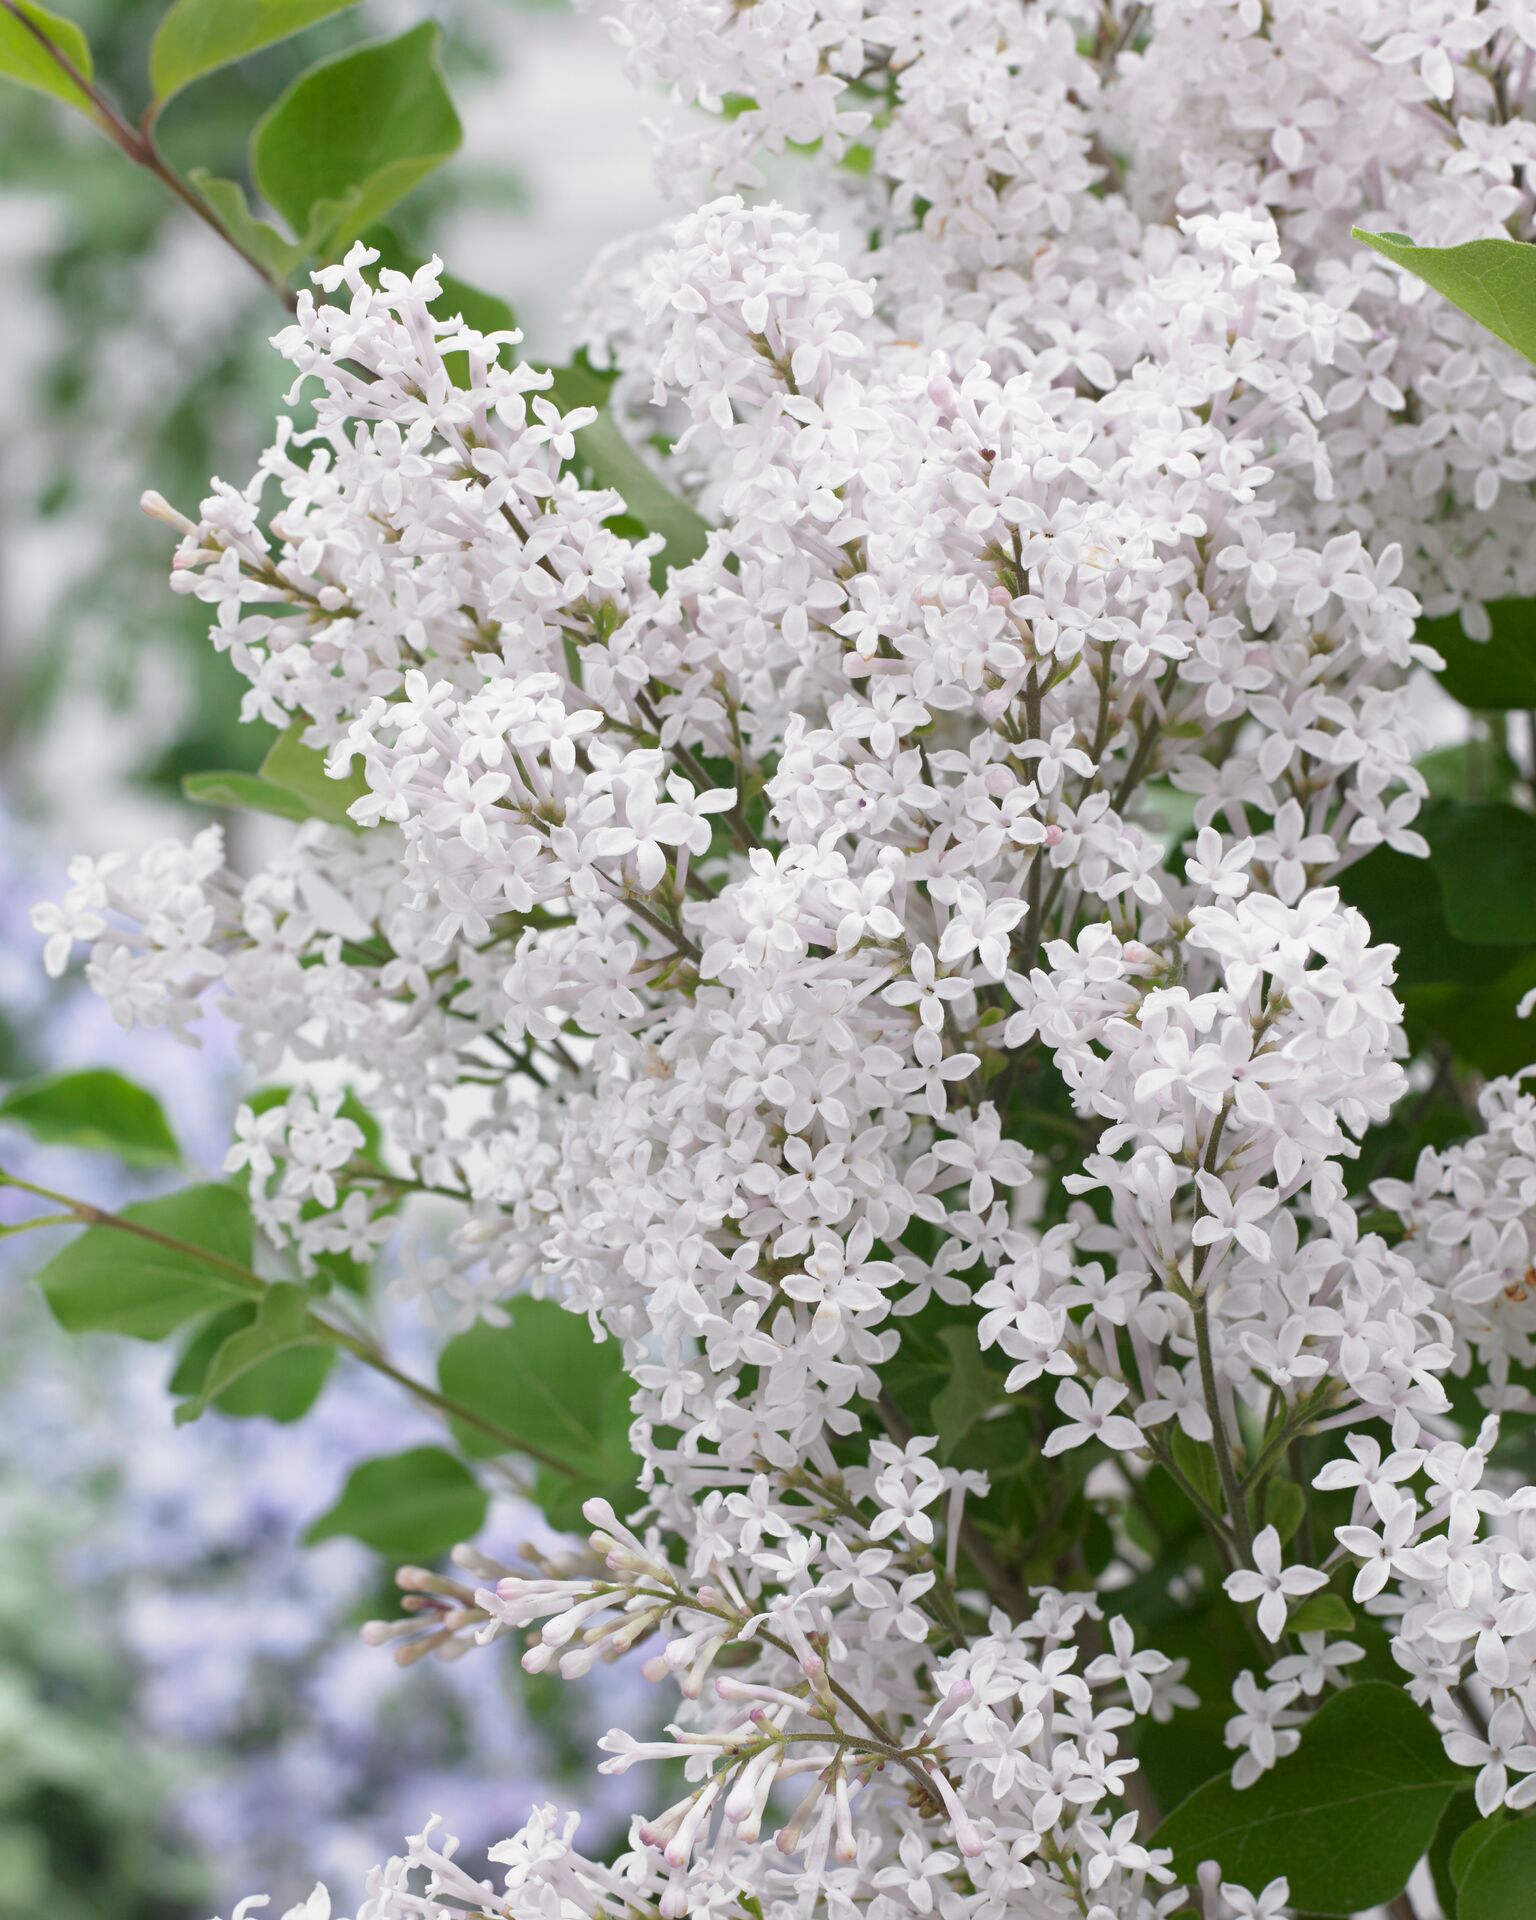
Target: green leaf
966	1394
546	1381
1485	861
560	1499
96	1109
1285	1506
485	312
1471	1841
199	36
611	461
1481	1025
299	771
1494	675
360	130
1400	898
1458	1818
1195	1460
261	240
283	1387
407	1506
24	59
26	1870
280	1324
1492	280
1346	1818
579	384
110	1281
1321	1613
614	463
244	793
1497	1873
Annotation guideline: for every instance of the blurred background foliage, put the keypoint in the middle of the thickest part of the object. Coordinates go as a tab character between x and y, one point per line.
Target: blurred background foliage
186	1712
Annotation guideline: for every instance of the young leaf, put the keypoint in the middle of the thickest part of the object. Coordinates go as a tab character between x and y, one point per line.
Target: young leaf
1197	1463
360	130
260	239
966	1394
545	1380
243	793
96	1109
407	1506
299	771
109	1281
282	1387
199	36
1498	1877
280	1324
1492	280
1346	1818
1321	1613
24	58
1285	1506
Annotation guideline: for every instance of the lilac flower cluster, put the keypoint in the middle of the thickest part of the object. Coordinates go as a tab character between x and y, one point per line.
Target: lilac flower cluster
704	940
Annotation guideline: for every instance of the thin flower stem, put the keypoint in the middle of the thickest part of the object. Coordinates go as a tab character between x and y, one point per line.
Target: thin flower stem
440	1402
1232	1492
1291	1427
252	1286
42	1220
888	1745
84	1214
939	1603
1214	1522
1231	1487
139	145
379	1178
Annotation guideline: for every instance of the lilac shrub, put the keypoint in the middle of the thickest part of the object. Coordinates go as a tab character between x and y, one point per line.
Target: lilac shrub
864	916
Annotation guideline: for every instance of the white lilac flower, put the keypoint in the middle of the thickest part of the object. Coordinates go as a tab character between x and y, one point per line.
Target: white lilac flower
1271	1584
700	941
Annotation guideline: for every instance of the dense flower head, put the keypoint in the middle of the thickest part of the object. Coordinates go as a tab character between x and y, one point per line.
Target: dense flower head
704	926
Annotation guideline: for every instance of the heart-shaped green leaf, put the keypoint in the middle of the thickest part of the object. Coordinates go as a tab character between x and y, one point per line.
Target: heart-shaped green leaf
407	1506
358	131
1346	1818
